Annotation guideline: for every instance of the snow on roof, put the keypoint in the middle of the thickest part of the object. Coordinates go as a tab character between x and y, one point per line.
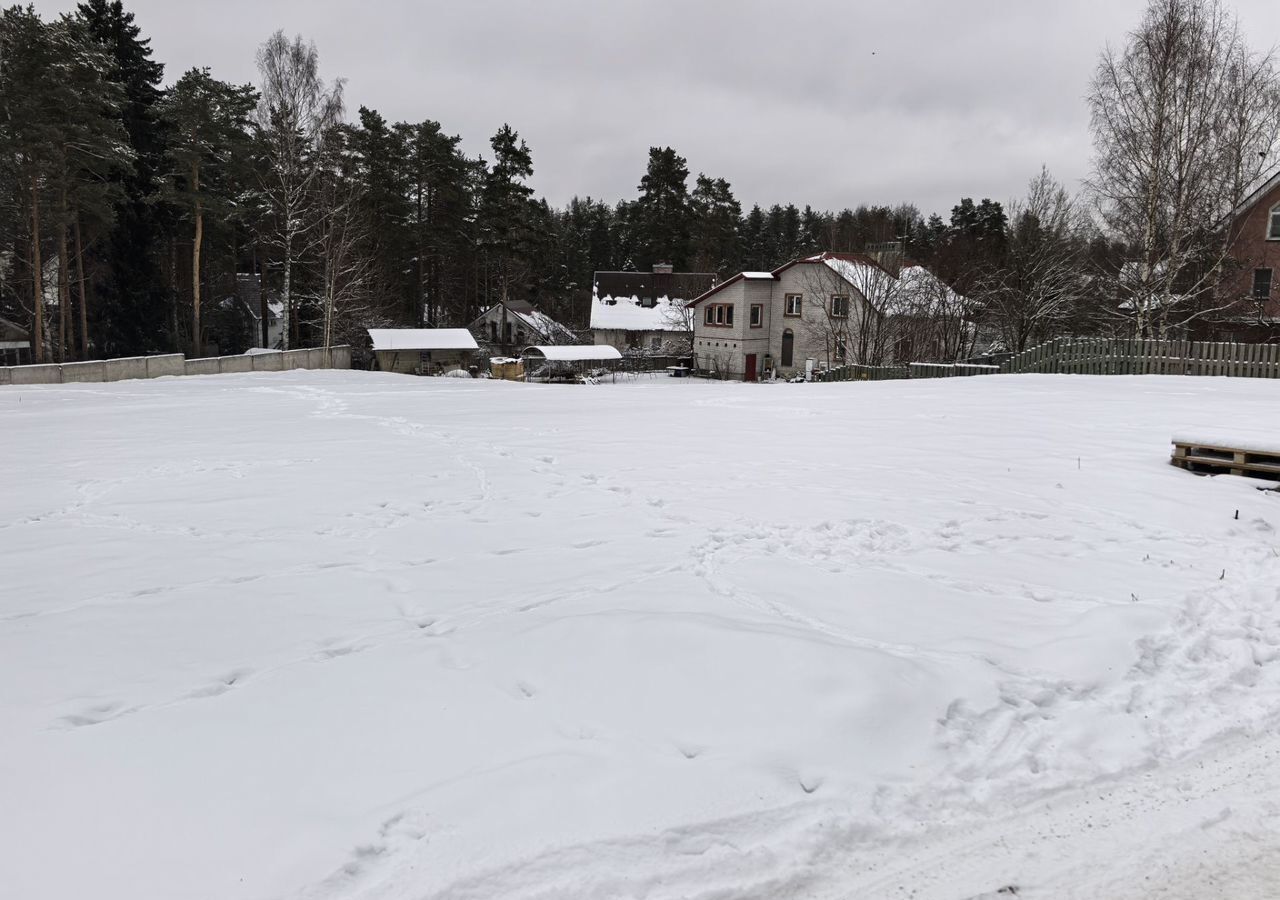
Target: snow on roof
545	325
758	275
422	339
571	352
628	314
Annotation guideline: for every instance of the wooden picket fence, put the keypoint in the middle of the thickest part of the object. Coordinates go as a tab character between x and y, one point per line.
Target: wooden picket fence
855	372
1098	356
950	370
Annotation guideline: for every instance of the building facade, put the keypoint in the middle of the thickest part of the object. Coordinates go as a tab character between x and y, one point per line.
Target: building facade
646	312
505	329
1253	287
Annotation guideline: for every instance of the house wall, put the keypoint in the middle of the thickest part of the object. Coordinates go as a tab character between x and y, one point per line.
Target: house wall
724	350
1253	250
413	362
499	316
676	341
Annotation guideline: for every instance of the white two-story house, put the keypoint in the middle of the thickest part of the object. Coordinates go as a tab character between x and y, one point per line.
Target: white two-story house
816	311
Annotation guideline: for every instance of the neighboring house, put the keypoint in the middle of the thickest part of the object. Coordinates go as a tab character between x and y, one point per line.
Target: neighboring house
1255	248
645	312
815	312
238	322
506	328
15	344
423	351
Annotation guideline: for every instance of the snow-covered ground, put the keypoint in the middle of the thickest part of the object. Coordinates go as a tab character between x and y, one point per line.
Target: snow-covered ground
347	635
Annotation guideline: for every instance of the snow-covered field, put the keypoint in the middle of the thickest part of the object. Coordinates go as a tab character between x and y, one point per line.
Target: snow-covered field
347	635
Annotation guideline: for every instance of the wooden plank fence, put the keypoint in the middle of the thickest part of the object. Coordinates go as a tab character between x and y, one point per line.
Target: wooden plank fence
855	372
1099	356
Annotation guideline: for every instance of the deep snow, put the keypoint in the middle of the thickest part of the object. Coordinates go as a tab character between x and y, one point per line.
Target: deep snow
333	634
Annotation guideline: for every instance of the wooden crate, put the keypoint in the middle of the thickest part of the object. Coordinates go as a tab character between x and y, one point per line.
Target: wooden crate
1209	459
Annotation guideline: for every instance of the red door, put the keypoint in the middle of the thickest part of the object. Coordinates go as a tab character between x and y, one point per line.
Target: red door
751	367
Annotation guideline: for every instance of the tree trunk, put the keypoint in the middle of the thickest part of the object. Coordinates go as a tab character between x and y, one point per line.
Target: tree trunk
196	333
84	297
286	298
173	290
37	275
64	281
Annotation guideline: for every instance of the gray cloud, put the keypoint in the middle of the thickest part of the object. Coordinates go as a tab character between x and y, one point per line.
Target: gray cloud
819	101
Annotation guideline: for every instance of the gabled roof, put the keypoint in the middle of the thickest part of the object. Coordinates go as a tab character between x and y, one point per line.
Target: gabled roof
630	314
533	319
855	269
422	339
1258	194
840	263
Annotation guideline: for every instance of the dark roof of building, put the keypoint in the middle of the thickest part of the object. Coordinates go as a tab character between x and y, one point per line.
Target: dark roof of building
652	285
11	331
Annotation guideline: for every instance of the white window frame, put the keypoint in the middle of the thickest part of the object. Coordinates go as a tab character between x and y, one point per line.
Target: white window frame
845	313
793	301
757	315
1273	223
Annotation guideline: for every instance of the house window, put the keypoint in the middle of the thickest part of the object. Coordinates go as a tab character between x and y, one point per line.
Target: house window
1273	226
793	304
655	343
1261	284
719	315
757	315
493	332
842	352
839	306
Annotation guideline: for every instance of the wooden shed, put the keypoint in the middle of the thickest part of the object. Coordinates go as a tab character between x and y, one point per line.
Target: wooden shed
423	351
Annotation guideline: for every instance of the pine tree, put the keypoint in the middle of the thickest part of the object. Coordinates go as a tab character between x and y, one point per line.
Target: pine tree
663	215
504	217
134	289
207	121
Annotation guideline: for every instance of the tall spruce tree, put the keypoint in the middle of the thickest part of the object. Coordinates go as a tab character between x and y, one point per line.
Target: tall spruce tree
505	217
134	292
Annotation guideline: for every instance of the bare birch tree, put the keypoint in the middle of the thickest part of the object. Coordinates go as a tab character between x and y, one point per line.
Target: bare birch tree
1184	118
1041	279
295	115
847	303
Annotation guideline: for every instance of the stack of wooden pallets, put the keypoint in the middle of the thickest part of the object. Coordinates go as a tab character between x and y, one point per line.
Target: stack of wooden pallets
1225	456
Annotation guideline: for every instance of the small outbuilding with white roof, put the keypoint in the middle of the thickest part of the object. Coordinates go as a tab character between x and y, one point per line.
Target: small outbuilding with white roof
569	361
423	351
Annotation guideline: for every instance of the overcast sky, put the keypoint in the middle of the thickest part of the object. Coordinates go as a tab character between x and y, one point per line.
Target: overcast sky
822	102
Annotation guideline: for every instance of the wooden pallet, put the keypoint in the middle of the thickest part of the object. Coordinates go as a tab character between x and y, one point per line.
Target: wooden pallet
1207	459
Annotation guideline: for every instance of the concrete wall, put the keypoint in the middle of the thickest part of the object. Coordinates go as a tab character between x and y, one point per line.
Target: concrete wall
43	374
128	368
268	362
174	364
75	373
230	365
169	364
